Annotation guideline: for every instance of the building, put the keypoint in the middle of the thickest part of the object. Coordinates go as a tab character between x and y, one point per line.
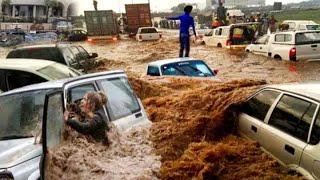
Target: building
36	10
244	3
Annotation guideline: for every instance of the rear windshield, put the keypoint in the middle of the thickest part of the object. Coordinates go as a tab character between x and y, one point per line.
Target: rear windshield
308	38
313	27
52	54
190	68
148	30
57	71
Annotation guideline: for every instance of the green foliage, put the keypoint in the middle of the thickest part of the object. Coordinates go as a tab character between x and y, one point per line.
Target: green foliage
299	14
51	3
180	8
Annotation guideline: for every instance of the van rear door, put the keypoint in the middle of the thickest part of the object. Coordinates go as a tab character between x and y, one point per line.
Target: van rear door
308	45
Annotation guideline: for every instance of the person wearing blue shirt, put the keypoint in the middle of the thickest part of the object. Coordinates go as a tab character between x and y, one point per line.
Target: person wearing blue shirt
186	21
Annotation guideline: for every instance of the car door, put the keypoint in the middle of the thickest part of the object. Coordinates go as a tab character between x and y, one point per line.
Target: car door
286	133
254	113
310	160
261	46
52	130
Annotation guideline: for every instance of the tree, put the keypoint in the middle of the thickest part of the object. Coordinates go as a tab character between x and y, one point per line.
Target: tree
180	8
5	4
50	4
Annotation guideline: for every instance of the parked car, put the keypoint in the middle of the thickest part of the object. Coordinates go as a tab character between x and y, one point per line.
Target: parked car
180	67
285	120
301	25
147	34
78	35
71	55
291	45
17	73
30	111
224	36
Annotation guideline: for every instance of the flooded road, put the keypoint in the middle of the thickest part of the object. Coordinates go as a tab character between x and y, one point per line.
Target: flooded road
193	135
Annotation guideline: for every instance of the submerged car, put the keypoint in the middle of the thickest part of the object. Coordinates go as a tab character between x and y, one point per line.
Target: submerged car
71	55
148	34
17	73
285	120
77	35
180	67
28	112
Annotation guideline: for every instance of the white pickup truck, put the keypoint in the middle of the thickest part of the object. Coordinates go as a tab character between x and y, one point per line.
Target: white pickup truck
293	46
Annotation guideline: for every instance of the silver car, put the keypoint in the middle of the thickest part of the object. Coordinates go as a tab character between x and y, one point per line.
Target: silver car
285	120
26	113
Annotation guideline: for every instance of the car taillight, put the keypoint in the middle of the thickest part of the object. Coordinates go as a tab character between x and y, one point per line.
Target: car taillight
89	40
229	43
140	37
293	54
216	71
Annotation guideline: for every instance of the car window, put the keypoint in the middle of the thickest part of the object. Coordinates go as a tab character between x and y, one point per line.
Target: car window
57	71
263	40
83	53
293	116
218	31
283	38
77	93
69	56
52	54
196	68
21	114
153	71
315	135
308	38
121	98
259	105
148	30
17	79
54	120
3	84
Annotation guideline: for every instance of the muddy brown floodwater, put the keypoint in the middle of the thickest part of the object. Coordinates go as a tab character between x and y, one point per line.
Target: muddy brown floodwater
193	134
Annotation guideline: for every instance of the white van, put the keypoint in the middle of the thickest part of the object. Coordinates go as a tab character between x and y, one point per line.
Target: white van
302	25
223	36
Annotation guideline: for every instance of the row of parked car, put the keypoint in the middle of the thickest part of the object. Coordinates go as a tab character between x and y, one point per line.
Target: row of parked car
284	119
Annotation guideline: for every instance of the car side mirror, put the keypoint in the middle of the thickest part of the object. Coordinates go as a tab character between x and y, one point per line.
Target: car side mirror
216	71
94	55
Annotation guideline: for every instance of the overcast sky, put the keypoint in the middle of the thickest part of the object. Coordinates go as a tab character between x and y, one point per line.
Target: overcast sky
156	5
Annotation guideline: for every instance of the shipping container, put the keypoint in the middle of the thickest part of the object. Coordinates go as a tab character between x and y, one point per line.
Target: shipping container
138	15
101	23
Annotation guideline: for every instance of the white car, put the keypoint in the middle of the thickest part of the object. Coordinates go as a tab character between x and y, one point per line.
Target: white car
36	112
148	34
285	121
16	73
301	25
295	45
223	36
180	67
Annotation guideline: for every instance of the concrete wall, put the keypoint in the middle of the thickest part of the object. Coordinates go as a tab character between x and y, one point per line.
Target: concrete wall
24	26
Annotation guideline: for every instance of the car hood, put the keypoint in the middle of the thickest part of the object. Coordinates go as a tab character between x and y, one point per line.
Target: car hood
14	152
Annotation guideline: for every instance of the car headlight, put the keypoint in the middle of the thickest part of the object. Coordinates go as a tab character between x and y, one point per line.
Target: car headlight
6	175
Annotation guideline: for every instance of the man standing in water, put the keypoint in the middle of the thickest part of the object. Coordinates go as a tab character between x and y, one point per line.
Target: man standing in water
186	21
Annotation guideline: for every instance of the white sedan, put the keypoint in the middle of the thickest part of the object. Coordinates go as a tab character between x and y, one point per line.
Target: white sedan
148	34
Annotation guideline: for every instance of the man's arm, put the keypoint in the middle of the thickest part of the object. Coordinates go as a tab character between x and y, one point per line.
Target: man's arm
193	28
173	18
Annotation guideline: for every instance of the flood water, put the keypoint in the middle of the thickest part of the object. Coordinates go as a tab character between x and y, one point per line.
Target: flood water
193	134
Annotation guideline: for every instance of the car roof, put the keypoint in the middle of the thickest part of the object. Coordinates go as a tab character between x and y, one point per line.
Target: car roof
310	89
60	83
168	61
24	64
300	21
43	46
302	31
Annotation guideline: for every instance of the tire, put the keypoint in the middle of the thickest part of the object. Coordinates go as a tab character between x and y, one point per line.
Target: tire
277	57
219	45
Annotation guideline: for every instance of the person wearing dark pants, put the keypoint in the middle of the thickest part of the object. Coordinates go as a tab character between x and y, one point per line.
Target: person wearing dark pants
186	21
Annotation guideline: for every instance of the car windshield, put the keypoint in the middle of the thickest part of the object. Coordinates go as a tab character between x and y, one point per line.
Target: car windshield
308	38
21	114
57	71
313	27
195	68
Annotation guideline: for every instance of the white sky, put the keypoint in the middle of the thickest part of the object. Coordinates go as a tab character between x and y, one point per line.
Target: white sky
156	5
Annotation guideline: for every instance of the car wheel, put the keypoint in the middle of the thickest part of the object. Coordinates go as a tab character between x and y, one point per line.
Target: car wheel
219	45
277	57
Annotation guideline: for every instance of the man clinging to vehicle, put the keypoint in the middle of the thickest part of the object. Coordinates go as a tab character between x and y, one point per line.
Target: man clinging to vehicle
186	21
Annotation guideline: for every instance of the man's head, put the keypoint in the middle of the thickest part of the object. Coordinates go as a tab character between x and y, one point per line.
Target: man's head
188	9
